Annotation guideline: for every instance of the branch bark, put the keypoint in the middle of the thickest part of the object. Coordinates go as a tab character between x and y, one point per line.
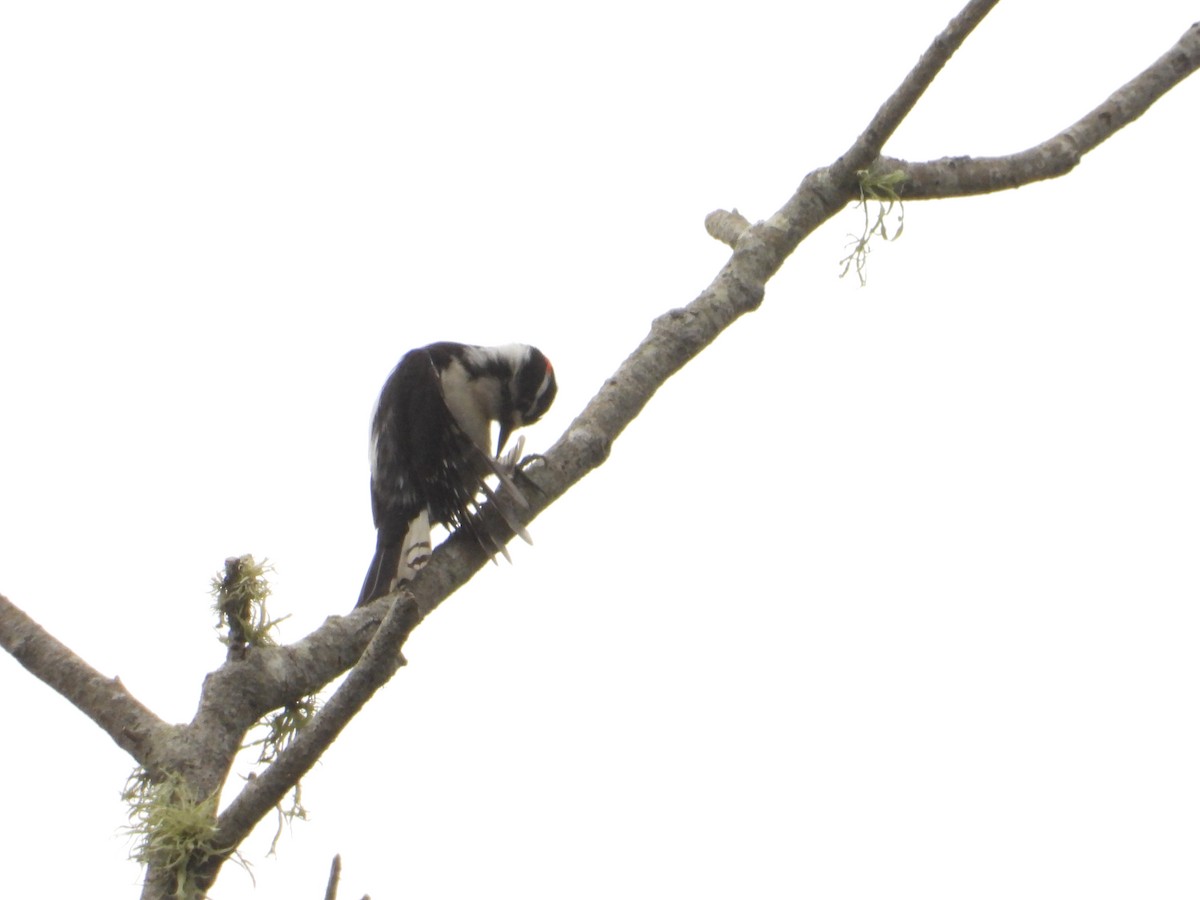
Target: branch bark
335	874
105	701
381	659
966	176
897	107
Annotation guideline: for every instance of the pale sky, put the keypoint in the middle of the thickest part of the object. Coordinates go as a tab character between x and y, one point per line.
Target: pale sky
893	593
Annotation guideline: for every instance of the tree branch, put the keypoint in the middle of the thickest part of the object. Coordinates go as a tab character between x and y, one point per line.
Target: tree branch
760	250
378	663
966	176
897	107
105	701
335	874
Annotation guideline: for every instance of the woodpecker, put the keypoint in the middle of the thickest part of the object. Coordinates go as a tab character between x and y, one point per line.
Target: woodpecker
431	448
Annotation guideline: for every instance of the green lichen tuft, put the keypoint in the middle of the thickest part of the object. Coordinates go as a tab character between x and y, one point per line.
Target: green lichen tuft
282	726
240	601
171	827
882	189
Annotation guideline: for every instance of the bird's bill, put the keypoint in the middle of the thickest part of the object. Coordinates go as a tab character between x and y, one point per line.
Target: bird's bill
505	430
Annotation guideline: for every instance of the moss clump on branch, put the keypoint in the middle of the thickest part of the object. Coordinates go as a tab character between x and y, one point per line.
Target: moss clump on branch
884	189
240	601
240	595
172	827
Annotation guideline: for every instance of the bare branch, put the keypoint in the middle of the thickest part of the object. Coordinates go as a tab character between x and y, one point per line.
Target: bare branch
335	873
105	701
681	334
967	176
761	249
897	107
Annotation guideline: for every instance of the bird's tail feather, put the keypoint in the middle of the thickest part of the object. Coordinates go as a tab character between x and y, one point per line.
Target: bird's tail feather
396	561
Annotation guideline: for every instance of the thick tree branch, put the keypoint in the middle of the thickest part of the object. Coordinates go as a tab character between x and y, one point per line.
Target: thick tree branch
105	701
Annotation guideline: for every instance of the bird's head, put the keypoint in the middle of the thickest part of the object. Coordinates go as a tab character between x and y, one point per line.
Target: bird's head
528	392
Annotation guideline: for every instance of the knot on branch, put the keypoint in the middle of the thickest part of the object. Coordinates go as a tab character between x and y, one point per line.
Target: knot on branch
726	226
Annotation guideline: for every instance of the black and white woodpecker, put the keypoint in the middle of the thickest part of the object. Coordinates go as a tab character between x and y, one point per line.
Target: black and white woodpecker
431	448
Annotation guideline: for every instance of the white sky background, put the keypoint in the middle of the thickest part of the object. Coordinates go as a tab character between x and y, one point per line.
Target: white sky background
892	593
